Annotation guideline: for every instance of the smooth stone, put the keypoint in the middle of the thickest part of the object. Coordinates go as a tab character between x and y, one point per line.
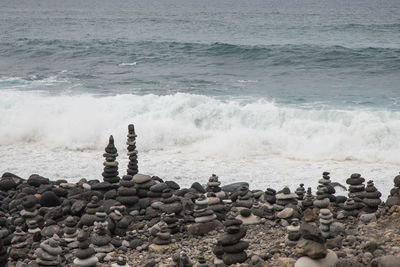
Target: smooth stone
205	218
37	180
323	203
173	185
285	213
368	217
141	178
158	187
311	232
252	219
231	239
198	187
49	199
388	261
202	228
234	186
92	261
230	258
311	249
85	253
330	260
282	196
236	248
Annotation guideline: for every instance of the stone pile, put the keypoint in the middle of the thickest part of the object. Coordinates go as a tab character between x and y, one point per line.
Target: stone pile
371	198
312	250
216	204
247	217
70	232
322	200
293	233
19	249
202	214
89	217
101	241
270	196
213	186
143	183
171	203
394	197
121	262
300	192
33	227
285	198
245	198
325	221
326	182
308	201
356	186
132	152
352	207
85	255
230	243
126	194
110	173
49	253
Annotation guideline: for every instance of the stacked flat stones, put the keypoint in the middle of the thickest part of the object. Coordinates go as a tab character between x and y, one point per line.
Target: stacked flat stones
394	197
163	237
70	232
322	200
284	199
308	201
110	173
19	245
230	242
85	255
245	198
213	186
126	194
293	233
300	192
49	252
356	188
371	197
325	220
101	240
326	182
143	183
203	214
270	196
132	152
90	217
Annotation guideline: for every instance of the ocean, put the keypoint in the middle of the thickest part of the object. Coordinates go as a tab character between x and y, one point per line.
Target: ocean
270	92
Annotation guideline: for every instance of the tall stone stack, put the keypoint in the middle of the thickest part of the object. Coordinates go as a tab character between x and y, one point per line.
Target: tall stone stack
213	186
230	242
322	201
132	152
326	182
110	173
300	192
245	198
371	197
85	255
70	232
203	214
308	200
356	186
325	220
293	233
49	253
394	197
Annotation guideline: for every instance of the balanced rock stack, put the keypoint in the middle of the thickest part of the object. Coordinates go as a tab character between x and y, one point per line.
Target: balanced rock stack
156	191
213	186
350	208
172	221
326	182
270	196
245	198
308	201
171	203
143	183
231	244
394	197
312	250
132	152
110	173
30	206
70	232
163	240
216	204
300	192
85	254
293	233
322	201
101	241
90	217
49	252
126	194
19	245
371	197
33	226
247	217
356	188
325	220
284	199
204	217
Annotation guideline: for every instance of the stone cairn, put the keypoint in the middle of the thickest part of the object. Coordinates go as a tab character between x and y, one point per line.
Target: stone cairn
326	182
371	198
394	197
245	198
132	152
300	192
308	201
85	255
101	241
352	207
247	217
325	221
33	227
173	223
230	248
49	253
284	199
163	237
293	233
171	203
202	214
356	188
110	173
215	203
126	194
70	232
89	217
213	186
312	250
19	245
30	208
322	201
270	196
181	260
143	183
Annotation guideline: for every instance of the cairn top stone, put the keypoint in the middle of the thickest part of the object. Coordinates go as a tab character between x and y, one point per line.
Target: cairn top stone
141	178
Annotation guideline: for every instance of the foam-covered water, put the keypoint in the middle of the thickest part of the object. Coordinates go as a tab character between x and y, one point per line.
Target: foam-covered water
271	92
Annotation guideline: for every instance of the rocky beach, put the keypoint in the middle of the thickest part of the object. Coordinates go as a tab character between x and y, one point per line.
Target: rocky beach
132	219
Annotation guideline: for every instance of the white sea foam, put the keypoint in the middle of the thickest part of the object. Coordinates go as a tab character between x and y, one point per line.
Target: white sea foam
127	64
192	135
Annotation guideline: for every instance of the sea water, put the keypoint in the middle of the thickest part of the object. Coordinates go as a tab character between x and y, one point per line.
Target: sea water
269	92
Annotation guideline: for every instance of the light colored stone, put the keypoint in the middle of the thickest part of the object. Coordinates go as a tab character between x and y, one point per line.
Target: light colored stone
330	260
286	262
162	248
285	213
